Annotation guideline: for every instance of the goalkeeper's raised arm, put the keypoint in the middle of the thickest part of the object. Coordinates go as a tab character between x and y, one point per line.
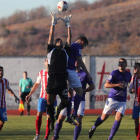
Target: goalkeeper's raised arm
52	28
66	20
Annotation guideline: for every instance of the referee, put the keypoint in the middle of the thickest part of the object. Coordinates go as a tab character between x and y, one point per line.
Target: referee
25	85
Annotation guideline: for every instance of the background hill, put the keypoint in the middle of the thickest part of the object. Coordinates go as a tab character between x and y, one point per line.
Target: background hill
111	26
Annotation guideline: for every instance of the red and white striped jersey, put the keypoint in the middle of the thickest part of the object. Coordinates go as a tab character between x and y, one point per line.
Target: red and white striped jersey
4	84
135	83
43	78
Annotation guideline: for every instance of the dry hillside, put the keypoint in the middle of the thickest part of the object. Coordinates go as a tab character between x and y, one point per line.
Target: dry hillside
111	28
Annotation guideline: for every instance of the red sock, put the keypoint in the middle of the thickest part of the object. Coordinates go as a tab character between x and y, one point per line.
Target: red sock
47	129
38	124
137	132
1	127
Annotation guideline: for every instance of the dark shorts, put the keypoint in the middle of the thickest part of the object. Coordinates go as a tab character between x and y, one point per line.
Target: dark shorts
136	112
23	95
57	85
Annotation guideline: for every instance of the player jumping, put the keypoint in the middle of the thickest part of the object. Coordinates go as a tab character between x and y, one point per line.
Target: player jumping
73	79
58	62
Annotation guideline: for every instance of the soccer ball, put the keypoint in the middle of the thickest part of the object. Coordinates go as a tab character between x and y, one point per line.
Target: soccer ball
62	6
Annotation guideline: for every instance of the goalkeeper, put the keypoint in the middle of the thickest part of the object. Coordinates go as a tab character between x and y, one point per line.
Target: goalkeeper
4	85
58	62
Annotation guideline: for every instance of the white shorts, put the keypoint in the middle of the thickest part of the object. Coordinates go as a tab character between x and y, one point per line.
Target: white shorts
80	111
112	105
73	79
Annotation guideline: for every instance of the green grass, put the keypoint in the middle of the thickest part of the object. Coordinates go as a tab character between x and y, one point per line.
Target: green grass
23	128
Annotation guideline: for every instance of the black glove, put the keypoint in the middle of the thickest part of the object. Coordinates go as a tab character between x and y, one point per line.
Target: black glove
17	99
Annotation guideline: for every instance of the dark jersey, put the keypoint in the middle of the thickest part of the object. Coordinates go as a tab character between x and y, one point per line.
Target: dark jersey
74	53
57	59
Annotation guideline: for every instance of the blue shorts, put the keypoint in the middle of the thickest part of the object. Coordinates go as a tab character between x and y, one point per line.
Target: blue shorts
42	105
136	112
3	114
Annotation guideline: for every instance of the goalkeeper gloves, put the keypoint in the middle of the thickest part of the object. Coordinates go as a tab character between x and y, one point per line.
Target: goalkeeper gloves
54	19
67	20
16	99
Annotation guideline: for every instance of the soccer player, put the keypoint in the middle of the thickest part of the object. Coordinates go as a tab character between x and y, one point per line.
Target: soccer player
42	102
84	81
117	81
58	62
4	85
25	85
74	82
134	86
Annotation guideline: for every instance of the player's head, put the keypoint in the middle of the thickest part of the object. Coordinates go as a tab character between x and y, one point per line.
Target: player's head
1	72
122	64
46	63
58	43
136	68
83	41
25	74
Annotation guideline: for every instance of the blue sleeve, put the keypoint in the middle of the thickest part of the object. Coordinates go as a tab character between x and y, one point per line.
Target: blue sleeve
111	76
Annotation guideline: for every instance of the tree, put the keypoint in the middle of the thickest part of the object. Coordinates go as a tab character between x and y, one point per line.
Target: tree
38	13
4	32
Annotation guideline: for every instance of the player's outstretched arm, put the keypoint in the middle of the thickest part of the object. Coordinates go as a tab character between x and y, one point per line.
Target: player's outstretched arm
13	94
89	88
82	65
108	84
34	88
69	37
54	22
66	20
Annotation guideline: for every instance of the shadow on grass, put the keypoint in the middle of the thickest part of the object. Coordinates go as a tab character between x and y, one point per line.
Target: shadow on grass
69	132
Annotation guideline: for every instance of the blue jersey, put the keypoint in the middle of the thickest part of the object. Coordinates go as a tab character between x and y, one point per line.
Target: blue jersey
74	53
84	81
116	77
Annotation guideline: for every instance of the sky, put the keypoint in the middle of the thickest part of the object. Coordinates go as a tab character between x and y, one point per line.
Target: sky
9	7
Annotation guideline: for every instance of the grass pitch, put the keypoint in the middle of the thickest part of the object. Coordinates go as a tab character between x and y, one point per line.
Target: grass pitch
23	128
